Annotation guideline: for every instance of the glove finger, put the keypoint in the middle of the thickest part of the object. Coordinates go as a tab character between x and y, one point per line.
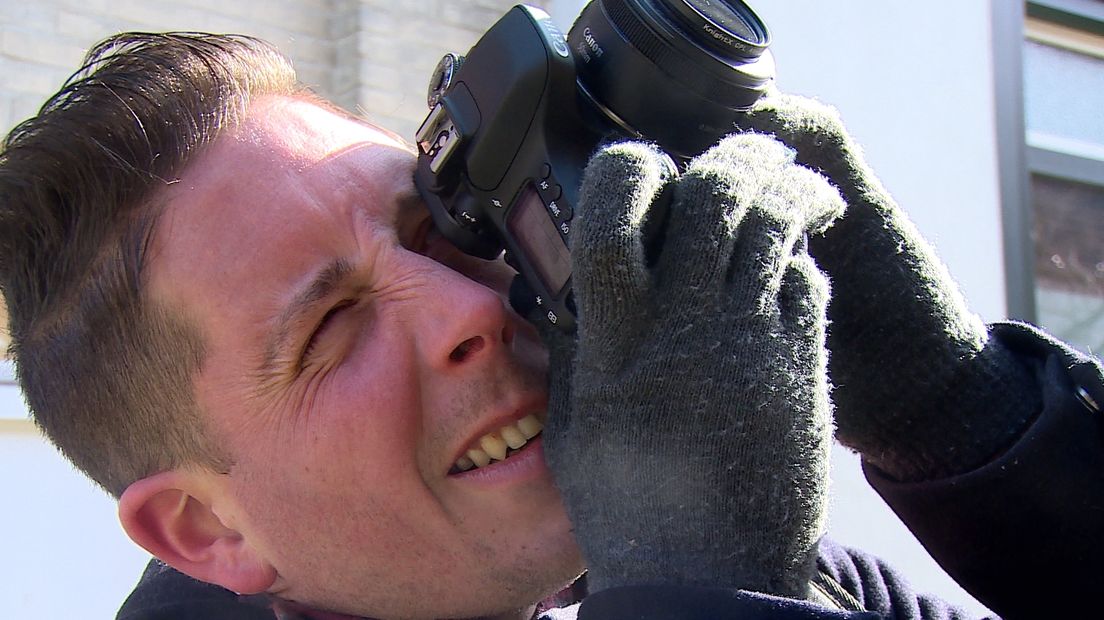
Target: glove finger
711	201
816	132
745	150
818	201
811	128
561	368
803	306
609	262
776	228
769	235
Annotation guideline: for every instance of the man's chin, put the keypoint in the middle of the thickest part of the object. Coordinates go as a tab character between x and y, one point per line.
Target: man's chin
545	581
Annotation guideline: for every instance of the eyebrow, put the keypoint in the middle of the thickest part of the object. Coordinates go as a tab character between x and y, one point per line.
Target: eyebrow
327	280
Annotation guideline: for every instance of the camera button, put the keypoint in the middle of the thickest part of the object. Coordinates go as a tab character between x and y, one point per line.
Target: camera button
546	171
549	191
467	219
560	210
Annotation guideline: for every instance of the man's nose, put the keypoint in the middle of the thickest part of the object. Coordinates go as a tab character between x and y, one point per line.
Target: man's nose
467	323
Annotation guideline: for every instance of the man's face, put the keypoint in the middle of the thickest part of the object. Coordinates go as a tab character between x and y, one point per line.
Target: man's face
352	357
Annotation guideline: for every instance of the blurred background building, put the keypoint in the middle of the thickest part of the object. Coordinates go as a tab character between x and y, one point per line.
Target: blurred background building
983	118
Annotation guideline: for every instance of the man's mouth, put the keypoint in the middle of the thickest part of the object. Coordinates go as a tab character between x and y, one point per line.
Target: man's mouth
501	444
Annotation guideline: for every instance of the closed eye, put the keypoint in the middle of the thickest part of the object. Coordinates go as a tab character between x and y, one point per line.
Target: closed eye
323	325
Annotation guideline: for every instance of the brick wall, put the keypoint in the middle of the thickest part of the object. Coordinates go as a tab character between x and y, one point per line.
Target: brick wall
374	56
399	44
42	42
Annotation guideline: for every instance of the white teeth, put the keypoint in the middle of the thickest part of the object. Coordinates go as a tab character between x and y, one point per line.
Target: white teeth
479	457
530	426
493	446
512	436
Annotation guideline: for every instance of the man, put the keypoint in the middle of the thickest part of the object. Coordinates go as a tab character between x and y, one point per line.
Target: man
229	308
247	263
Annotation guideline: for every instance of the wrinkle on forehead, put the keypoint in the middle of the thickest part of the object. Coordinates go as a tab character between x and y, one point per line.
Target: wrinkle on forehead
301	148
305	130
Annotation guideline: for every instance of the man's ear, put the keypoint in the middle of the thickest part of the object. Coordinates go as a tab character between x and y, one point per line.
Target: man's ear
170	515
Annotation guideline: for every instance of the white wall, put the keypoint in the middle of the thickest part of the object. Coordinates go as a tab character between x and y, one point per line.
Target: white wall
913	84
64	553
913	81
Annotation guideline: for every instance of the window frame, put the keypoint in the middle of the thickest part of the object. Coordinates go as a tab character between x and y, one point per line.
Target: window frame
1084	15
1062	165
1018	155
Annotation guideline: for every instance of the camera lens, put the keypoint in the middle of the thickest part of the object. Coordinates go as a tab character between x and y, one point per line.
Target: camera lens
730	28
675	71
723	15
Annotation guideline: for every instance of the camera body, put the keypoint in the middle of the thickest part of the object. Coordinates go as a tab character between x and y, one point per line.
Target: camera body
501	154
513	123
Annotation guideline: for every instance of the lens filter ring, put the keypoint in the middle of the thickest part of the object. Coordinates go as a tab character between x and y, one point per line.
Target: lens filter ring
651	28
729	27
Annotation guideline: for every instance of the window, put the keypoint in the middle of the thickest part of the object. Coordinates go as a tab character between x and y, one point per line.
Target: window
1063	112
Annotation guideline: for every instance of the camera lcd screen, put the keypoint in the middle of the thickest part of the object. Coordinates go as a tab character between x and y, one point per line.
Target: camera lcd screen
531	226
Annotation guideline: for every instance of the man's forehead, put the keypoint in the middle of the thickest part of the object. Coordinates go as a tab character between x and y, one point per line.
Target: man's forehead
277	183
288	144
303	129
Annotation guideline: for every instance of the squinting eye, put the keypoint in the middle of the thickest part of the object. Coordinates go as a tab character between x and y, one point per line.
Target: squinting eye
323	324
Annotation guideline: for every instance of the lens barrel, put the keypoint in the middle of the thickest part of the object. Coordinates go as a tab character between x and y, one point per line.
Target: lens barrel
675	71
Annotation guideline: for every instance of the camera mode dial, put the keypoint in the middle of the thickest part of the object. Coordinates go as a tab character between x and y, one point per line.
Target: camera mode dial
442	77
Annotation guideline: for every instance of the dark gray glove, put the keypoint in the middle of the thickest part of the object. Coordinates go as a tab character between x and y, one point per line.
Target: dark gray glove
691	441
920	388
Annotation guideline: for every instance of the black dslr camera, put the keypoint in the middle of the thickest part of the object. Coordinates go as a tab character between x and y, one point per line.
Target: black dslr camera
513	123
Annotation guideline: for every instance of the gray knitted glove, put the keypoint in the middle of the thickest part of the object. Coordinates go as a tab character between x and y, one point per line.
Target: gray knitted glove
920	388
691	441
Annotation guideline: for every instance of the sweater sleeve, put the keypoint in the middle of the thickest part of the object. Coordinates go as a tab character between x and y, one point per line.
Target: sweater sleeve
1023	533
853	579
